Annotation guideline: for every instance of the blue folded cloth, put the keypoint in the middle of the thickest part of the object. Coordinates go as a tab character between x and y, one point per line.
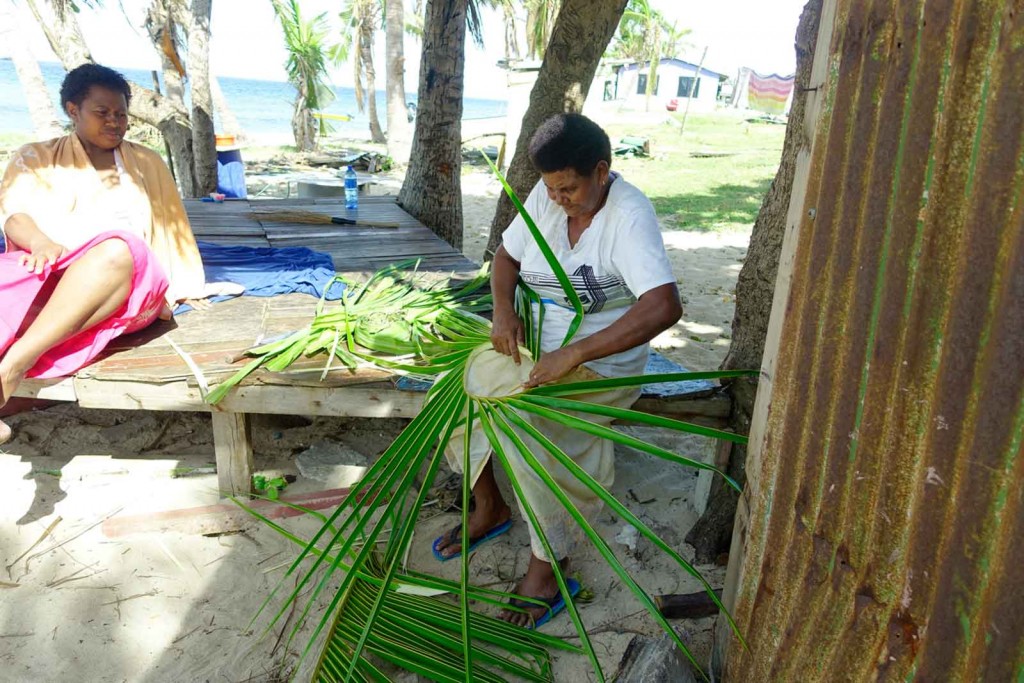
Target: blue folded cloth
268	271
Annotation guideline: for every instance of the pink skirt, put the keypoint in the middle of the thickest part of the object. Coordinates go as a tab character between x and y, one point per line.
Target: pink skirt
20	289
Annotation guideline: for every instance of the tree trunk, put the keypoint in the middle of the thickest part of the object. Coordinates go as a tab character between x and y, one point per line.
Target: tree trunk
652	74
160	27
398	120
580	36
511	34
45	122
204	145
432	190
64	35
366	48
228	121
304	126
712	533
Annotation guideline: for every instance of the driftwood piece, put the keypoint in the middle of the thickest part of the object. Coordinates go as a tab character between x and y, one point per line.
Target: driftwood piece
687	606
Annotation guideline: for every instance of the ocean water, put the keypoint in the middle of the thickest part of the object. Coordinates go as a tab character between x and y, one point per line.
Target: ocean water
263	108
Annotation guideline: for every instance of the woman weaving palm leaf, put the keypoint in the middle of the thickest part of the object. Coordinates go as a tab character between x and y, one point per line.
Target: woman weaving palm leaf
605	235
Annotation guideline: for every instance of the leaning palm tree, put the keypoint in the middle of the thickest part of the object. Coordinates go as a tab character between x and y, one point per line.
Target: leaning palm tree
306	42
360	20
378	609
45	121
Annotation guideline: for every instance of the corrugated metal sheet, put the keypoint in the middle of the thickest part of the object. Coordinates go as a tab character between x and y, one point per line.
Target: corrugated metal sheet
887	538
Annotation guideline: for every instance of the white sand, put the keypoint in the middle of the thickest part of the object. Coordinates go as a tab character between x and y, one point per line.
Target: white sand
175	605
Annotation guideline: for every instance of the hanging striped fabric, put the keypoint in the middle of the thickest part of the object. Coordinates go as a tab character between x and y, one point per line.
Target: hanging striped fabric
769	93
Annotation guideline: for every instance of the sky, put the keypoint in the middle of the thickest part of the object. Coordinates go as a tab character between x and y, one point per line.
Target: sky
247	42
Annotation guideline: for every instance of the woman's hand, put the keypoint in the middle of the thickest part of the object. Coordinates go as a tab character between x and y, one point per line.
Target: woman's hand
41	253
507	333
553	366
198	304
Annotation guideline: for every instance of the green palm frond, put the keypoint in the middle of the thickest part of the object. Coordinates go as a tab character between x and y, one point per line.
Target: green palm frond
391	315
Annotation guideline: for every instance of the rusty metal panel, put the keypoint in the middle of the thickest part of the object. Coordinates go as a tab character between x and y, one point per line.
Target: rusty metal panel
888	542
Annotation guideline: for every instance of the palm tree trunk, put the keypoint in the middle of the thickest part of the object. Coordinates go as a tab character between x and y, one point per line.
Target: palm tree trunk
228	120
64	35
398	123
581	34
159	25
366	48
303	127
511	35
432	190
203	142
45	122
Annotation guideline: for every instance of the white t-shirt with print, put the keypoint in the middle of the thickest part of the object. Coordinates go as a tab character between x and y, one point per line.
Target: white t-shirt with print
617	259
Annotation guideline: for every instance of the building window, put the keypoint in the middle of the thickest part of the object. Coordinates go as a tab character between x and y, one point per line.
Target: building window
684	86
641	84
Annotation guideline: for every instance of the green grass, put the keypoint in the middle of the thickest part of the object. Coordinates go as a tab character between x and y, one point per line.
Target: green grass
706	194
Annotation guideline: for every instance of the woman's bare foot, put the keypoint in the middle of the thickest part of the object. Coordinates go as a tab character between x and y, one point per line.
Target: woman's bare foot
10	378
484	517
540	583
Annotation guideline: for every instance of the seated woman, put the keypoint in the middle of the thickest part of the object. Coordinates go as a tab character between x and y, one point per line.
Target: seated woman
605	235
97	240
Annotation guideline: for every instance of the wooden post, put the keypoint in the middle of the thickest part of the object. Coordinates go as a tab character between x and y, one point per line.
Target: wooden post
689	94
232	442
754	486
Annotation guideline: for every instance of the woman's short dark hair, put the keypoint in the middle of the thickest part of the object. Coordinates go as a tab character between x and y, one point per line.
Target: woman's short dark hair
78	81
569	141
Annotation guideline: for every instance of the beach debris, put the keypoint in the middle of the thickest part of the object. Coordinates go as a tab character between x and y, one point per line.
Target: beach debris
687	605
49	530
653	660
632	147
628	536
332	463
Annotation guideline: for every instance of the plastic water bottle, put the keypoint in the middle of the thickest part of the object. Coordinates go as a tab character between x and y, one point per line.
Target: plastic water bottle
351	189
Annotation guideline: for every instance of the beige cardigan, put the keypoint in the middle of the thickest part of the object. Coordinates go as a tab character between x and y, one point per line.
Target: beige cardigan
48	180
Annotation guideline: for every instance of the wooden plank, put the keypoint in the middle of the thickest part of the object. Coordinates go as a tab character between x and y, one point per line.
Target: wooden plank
232	442
348	401
339	402
57	389
734	579
93	393
710	411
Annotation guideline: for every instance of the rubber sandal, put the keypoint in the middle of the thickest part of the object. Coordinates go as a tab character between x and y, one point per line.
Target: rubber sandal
555	603
473	542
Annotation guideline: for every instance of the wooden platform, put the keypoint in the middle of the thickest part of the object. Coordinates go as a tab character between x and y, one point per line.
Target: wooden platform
146	371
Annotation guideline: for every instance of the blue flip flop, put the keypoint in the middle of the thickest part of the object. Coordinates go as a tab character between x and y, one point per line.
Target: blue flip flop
473	542
555	603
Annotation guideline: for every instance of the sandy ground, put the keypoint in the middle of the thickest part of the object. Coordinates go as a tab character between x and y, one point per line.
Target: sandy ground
108	595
